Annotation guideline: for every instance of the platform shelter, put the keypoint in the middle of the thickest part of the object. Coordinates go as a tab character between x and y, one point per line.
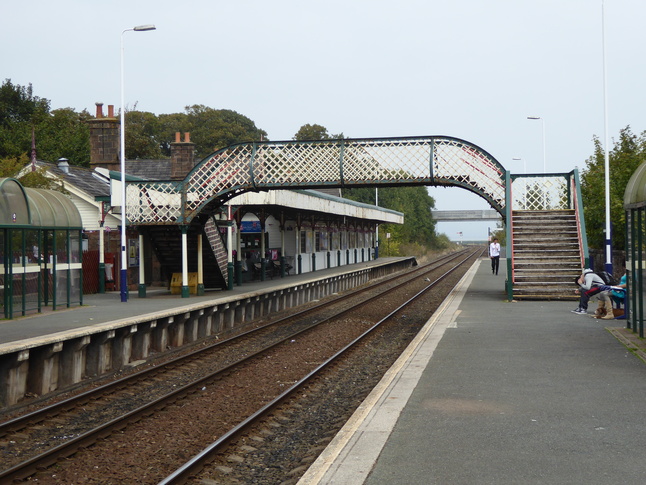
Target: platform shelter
40	248
635	207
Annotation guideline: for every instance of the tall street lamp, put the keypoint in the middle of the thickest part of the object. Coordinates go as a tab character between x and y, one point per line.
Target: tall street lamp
122	156
543	123
608	241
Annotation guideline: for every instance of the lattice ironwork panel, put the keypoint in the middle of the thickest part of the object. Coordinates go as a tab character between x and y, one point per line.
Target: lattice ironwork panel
540	193
225	170
458	162
153	202
391	160
304	163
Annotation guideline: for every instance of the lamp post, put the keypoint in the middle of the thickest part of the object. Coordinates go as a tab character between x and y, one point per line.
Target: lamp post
122	155
543	123
608	241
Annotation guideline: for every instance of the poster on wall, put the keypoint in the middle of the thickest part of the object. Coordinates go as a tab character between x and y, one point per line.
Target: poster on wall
133	252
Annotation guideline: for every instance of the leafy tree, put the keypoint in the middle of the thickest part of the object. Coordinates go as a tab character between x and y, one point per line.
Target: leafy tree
624	158
20	110
12	166
64	134
169	124
213	129
59	133
18	104
314	132
414	202
144	137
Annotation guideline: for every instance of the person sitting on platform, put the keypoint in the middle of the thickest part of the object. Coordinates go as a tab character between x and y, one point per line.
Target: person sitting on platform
590	284
619	296
604	309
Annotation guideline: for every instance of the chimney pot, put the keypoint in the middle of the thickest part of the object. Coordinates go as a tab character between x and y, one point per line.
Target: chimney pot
178	137
110	111
187	137
99	110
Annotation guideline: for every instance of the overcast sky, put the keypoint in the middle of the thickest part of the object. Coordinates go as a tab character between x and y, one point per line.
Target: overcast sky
472	69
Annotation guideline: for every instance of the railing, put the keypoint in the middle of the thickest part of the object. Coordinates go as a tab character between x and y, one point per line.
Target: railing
510	236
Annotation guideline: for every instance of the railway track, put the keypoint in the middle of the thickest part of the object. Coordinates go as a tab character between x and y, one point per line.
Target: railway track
187	382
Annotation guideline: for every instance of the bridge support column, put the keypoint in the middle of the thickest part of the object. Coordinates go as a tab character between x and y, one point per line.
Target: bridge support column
229	252
185	288
282	245
238	259
142	269
200	267
101	254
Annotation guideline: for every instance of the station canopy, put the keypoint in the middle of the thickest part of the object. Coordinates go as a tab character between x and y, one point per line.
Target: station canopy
36	208
635	194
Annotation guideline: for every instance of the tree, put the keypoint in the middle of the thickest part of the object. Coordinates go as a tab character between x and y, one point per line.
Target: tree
64	134
12	166
20	110
144	136
314	132
624	158
213	129
311	132
414	202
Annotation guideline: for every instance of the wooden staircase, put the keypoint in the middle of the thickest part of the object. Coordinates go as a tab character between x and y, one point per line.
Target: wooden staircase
546	255
167	245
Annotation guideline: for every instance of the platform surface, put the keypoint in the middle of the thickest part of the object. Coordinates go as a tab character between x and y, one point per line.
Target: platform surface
497	392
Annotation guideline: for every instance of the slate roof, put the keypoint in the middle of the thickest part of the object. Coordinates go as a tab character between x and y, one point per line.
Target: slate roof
83	178
149	169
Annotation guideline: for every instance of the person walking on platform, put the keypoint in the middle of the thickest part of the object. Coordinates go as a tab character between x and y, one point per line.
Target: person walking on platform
590	284
494	254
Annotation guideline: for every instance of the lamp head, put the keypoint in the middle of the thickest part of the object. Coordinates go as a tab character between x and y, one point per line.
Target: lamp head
141	28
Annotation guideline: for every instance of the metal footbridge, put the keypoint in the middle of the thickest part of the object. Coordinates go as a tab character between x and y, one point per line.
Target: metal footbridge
375	162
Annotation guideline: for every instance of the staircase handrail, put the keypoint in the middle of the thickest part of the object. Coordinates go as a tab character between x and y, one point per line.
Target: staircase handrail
577	202
510	243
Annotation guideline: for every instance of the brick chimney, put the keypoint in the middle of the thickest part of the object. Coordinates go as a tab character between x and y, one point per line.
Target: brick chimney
182	156
104	139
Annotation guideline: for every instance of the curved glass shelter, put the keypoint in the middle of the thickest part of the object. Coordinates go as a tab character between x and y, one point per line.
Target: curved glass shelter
635	207
41	250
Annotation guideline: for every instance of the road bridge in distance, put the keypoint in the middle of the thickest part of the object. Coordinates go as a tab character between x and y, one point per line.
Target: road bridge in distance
466	215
